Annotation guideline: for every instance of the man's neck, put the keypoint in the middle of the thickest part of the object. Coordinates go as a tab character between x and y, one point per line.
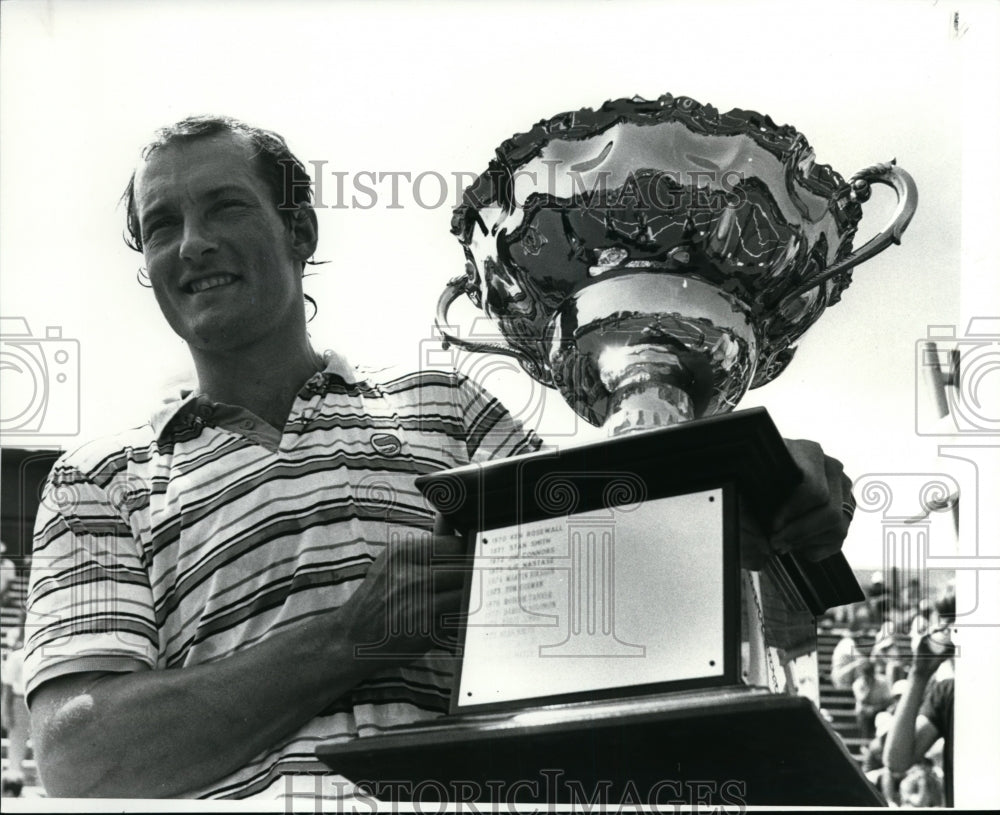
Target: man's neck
264	381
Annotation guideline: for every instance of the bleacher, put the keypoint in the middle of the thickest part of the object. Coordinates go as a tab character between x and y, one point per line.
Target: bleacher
32	788
10	611
839	704
22	473
10	619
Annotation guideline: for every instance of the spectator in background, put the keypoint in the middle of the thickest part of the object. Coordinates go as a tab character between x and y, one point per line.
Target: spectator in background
889	653
8	574
926	711
921	621
848	657
871	757
942	616
14	714
878	599
872	764
921	787
911	598
872	695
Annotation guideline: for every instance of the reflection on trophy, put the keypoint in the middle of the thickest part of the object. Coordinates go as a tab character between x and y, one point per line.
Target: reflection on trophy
654	260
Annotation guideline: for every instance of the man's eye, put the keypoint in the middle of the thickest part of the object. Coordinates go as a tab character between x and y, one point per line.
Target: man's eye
158	226
230	203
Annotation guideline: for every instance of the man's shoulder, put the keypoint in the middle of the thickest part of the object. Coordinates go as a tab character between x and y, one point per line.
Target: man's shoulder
106	454
393	378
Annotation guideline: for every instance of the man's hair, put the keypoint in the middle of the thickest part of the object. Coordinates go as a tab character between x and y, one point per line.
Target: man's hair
283	173
945	607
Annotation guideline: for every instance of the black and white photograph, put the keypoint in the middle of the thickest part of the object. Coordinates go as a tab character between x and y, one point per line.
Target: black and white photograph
499	406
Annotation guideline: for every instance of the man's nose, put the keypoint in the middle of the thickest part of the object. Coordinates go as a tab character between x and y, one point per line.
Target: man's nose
197	241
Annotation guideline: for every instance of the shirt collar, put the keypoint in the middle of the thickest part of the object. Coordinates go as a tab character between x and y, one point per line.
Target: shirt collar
182	404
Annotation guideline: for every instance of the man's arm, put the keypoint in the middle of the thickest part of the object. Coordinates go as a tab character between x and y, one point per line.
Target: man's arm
168	732
911	735
813	520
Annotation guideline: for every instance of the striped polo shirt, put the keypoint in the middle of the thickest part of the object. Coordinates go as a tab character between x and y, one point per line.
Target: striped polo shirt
199	534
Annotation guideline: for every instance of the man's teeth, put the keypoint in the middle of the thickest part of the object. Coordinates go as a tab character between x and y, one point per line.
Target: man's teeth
210	282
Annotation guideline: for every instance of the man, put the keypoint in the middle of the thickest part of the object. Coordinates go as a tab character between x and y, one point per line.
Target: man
239	550
926	711
848	658
872	695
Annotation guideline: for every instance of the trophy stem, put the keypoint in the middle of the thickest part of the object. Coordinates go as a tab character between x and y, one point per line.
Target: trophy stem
647	406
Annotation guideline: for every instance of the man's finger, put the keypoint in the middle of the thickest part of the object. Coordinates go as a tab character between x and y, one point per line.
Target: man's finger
448	603
447	618
448	577
448	547
818	470
817	535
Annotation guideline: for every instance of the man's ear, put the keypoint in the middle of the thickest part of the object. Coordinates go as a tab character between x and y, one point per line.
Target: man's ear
304	232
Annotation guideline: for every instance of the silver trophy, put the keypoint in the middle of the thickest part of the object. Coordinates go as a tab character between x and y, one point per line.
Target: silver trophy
655	259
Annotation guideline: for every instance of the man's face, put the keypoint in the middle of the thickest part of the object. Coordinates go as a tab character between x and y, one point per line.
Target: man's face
223	265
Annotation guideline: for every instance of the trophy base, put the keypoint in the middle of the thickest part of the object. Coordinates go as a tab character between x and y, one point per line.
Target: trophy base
726	747
709	733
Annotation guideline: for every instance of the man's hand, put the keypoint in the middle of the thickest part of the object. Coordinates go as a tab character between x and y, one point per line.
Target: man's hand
930	651
813	521
396	613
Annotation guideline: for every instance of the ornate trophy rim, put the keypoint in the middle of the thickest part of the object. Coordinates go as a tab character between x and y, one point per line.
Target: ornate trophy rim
785	251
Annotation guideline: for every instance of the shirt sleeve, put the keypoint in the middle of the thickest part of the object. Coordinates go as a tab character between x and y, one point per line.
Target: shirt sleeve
89	602
933	706
490	430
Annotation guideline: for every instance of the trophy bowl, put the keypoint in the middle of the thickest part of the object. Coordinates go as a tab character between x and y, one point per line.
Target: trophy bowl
655	259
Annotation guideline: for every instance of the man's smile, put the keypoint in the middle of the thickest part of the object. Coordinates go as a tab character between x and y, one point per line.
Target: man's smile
206	283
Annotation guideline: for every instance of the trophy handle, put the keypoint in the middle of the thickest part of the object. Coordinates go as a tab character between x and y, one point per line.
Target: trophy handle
452	291
906	204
